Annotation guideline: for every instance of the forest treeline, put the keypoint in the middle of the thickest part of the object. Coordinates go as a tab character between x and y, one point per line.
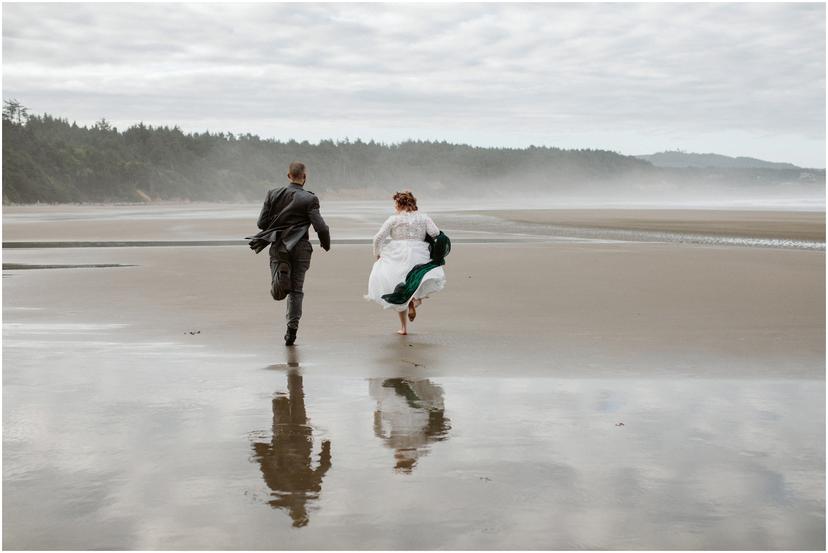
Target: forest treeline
48	159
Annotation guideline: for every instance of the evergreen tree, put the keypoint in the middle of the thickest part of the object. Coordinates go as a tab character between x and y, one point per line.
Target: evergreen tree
49	159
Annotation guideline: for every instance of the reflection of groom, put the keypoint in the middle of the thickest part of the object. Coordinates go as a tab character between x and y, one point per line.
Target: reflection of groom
286	461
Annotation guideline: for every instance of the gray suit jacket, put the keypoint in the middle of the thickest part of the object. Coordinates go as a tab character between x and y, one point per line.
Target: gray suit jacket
286	215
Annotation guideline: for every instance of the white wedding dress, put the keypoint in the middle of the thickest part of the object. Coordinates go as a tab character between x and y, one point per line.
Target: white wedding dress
407	248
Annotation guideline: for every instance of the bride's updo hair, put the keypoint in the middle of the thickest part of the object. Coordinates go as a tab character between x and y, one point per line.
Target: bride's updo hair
405	201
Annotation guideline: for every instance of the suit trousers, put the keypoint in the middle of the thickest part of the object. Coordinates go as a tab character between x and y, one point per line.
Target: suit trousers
299	260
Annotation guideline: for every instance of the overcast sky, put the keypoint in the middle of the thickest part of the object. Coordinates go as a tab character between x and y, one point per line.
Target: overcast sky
737	79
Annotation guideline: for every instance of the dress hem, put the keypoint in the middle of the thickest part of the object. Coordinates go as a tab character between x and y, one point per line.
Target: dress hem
438	284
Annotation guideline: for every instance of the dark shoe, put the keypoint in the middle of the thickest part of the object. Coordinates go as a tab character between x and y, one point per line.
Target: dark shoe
290	336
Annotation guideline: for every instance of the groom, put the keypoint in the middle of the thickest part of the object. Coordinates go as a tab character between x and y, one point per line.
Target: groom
287	214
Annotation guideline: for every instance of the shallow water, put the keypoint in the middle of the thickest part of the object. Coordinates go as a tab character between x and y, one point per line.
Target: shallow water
153	445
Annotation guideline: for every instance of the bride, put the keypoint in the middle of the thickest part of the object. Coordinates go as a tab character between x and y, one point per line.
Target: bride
407	248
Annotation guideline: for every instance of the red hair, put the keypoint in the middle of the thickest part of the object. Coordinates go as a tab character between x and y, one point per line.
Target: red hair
405	201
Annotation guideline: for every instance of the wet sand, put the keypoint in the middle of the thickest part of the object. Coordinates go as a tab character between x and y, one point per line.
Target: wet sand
561	393
360	219
791	225
530	309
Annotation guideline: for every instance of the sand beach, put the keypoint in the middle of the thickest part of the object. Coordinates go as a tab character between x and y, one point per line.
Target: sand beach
621	379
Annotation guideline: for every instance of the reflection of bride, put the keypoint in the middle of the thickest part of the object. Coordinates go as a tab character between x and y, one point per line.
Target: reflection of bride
409	416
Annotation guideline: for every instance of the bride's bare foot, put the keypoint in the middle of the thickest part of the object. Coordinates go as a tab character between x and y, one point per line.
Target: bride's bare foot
403	328
412	312
402	332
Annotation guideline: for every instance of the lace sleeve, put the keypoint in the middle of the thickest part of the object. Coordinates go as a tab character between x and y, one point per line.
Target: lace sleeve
431	228
382	235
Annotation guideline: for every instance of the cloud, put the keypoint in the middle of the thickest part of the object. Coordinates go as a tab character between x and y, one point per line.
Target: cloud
498	74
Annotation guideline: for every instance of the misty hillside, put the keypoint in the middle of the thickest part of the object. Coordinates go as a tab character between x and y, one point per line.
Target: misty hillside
48	159
684	159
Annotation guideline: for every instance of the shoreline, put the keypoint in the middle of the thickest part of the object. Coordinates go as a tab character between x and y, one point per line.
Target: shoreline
220	224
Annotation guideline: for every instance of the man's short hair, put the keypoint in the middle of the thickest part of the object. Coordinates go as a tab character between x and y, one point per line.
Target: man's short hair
296	170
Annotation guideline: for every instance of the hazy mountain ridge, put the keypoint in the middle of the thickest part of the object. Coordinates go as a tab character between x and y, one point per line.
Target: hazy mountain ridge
678	158
47	159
